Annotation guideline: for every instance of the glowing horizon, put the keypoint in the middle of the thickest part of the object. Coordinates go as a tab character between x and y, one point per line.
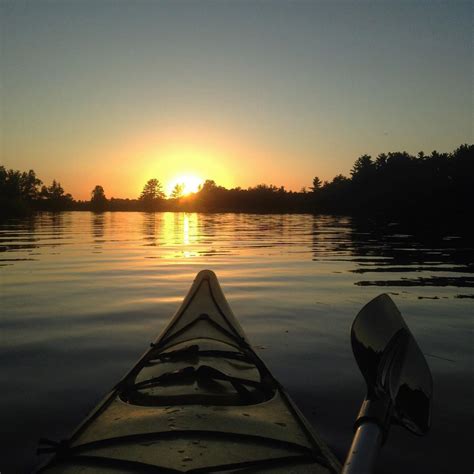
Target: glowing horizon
242	93
191	184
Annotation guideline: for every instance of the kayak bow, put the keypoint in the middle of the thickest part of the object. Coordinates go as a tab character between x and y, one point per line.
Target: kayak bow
199	400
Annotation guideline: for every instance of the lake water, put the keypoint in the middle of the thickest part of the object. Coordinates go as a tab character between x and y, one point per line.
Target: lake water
83	294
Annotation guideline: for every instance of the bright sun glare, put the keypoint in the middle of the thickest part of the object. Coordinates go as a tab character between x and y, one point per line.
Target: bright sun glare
190	184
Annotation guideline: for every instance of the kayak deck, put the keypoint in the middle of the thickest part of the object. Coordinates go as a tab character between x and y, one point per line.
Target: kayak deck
199	400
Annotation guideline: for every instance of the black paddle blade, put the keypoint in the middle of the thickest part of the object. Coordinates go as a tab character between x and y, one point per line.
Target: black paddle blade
392	363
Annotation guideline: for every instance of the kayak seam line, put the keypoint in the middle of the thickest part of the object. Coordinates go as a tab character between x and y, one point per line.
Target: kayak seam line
145	467
189	433
203	317
111	462
239	337
262	463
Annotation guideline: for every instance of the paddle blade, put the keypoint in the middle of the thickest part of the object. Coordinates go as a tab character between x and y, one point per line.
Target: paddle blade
392	363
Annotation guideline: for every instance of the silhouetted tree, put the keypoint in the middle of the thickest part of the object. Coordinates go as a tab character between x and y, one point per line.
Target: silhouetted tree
339	180
53	192
54	197
333	196
152	190
208	185
152	194
29	185
317	184
19	185
380	161
11	183
98	198
363	168
177	191
18	191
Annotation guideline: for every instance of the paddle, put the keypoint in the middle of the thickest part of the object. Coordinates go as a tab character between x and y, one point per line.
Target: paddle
399	382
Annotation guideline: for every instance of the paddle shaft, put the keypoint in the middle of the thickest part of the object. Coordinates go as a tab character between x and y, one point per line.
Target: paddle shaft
364	449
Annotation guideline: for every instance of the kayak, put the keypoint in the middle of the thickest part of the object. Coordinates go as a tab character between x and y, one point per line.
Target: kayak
199	400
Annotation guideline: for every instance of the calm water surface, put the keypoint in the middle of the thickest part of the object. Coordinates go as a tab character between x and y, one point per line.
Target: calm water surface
83	294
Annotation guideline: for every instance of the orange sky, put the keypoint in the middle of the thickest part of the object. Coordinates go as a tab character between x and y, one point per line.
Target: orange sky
116	93
123	166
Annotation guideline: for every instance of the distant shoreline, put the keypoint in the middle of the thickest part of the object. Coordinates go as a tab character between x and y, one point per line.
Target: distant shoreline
395	185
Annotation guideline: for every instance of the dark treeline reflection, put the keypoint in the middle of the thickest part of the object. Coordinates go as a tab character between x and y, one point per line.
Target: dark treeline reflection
396	255
393	184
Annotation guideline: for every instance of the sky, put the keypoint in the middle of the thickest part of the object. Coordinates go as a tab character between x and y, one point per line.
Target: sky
243	92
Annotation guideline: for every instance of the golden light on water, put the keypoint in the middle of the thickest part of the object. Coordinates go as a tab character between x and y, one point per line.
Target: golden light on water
180	233
186	230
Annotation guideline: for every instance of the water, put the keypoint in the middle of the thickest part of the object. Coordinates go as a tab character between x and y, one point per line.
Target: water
82	295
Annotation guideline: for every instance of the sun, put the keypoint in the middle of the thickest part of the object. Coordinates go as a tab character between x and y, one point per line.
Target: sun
190	183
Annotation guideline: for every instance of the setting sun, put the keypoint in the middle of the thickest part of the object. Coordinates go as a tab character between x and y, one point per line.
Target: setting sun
190	184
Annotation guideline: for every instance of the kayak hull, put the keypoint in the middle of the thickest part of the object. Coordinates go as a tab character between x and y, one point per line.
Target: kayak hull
199	400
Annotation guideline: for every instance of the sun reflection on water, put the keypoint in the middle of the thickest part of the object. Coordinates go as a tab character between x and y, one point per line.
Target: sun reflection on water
180	235
186	230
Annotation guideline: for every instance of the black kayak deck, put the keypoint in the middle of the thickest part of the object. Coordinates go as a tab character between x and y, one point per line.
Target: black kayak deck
199	400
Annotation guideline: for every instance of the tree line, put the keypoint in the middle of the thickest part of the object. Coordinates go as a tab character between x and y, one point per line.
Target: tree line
401	184
395	183
22	192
